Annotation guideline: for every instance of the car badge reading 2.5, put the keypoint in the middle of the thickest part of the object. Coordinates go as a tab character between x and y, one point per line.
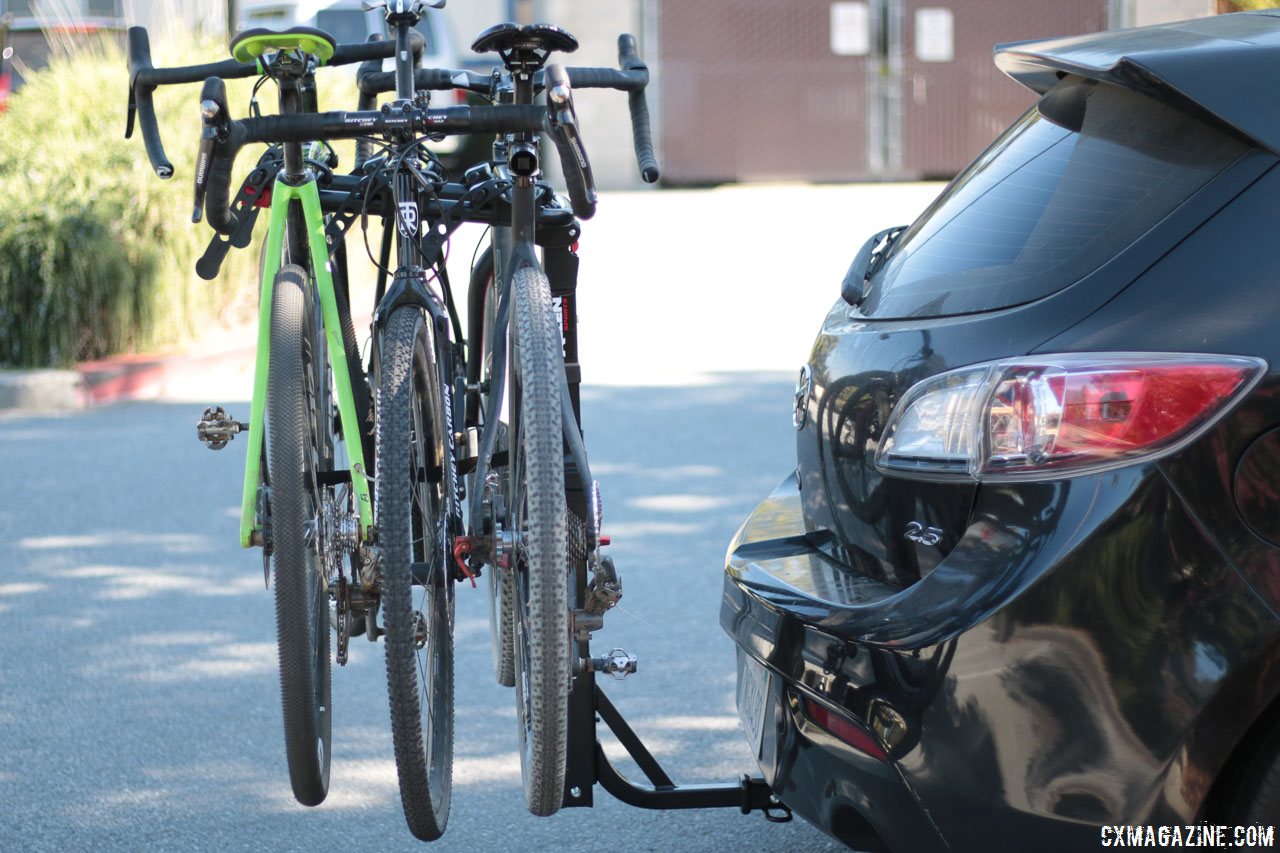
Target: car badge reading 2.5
917	532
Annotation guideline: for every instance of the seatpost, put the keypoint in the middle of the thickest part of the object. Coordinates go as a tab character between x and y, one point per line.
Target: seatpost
403	18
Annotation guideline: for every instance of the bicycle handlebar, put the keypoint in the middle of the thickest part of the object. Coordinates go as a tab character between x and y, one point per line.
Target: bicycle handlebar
372	80
305	127
144	78
632	76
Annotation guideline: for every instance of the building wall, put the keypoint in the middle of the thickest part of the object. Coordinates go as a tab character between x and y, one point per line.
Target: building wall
1141	13
853	89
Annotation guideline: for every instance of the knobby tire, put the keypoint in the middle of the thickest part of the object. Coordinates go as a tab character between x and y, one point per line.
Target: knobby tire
410	519
298	423
542	674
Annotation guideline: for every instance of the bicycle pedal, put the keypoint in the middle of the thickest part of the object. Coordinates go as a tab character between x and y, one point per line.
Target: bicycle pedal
216	428
618	663
605	589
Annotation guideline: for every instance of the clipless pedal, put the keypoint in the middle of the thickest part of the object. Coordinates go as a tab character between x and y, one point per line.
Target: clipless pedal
215	428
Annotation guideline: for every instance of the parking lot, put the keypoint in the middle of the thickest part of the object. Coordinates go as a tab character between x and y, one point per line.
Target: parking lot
139	704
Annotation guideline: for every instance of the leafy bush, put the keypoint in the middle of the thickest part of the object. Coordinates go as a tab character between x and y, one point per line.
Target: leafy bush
97	254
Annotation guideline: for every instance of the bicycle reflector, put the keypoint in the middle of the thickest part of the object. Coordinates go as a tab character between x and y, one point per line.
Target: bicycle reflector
1060	415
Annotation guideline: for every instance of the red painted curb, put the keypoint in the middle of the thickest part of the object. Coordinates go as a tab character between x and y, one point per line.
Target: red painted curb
119	380
128	378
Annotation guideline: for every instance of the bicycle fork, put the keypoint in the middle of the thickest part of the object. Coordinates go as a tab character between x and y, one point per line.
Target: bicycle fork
251	522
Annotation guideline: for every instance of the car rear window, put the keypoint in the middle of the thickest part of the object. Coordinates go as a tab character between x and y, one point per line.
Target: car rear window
1045	205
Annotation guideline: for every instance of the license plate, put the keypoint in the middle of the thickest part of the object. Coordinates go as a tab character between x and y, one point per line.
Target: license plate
753	693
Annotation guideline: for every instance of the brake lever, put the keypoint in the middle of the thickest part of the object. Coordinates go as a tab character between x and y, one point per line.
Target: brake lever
562	120
214	121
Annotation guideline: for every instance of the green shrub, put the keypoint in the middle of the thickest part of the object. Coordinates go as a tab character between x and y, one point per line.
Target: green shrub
97	254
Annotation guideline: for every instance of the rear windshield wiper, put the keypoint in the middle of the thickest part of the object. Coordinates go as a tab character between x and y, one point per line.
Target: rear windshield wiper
870	258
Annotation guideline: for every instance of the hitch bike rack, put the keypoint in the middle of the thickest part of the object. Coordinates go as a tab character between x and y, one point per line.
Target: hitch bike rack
588	765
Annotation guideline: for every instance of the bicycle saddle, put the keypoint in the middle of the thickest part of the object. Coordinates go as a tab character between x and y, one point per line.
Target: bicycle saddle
249	44
527	45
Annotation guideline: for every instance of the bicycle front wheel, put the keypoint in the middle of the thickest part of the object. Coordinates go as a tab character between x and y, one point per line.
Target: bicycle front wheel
414	482
299	448
539	521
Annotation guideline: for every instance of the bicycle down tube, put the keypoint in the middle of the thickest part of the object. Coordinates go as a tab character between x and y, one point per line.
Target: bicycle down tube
308	197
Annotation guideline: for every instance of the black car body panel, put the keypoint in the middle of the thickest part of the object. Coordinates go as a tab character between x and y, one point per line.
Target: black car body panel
1037	658
1024	667
1209	66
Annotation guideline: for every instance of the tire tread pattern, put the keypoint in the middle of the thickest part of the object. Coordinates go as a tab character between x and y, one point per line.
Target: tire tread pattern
426	809
544	544
288	426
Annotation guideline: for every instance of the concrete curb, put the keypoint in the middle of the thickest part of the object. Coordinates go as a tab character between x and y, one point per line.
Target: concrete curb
41	390
127	378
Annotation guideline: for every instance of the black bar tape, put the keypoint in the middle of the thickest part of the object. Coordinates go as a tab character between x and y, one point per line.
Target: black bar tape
291	128
376	81
138	56
642	136
227	69
508	118
607	78
139	61
217	210
641	133
151	134
346	54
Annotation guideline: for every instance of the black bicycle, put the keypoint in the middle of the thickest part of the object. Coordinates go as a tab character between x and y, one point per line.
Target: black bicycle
534	514
426	411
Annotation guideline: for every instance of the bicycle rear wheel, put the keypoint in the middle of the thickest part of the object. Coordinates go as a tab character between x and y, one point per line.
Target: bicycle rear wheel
539	521
414	482
299	427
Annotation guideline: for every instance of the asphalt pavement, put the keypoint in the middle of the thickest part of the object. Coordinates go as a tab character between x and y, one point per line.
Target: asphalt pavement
139	701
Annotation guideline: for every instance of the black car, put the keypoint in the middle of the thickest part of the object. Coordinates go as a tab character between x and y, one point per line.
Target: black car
1023	585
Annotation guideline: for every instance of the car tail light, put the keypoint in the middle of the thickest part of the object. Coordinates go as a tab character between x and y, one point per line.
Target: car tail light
856	737
1060	415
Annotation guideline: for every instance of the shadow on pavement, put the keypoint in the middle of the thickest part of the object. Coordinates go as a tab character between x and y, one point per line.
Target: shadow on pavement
139	705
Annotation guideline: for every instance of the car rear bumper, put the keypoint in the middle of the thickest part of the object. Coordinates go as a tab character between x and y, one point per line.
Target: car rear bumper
1010	692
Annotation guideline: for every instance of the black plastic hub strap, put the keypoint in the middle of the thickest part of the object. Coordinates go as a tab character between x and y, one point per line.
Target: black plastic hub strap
352	206
244	210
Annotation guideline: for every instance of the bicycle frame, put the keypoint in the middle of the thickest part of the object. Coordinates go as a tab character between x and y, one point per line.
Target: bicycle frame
308	196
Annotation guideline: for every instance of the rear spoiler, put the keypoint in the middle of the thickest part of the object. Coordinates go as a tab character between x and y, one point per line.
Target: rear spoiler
1212	68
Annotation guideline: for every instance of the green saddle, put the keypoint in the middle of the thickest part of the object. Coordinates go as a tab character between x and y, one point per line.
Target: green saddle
250	44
